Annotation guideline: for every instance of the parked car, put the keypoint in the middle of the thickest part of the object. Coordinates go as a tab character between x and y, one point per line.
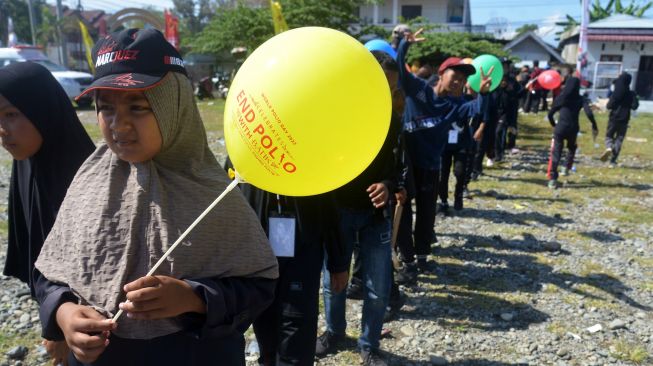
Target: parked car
73	82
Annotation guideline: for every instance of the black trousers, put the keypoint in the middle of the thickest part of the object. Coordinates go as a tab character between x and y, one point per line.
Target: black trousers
287	330
457	158
426	188
484	147
614	137
533	101
180	348
557	145
512	130
500	140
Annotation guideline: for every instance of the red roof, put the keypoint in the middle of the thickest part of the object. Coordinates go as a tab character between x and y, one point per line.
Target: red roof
620	38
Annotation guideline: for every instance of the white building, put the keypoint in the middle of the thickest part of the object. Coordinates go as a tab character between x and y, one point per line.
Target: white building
529	47
615	44
452	15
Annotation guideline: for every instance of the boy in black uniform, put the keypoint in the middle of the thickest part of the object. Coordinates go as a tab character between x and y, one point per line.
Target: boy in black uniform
286	331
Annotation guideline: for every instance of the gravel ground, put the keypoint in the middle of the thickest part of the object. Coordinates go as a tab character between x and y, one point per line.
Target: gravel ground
522	276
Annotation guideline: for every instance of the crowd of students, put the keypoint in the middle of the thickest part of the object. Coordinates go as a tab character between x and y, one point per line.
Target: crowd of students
86	224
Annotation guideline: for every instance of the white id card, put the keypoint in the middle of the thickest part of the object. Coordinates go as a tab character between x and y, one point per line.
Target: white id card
282	236
453	136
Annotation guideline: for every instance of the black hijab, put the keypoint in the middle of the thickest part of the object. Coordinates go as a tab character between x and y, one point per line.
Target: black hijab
39	183
570	94
621	87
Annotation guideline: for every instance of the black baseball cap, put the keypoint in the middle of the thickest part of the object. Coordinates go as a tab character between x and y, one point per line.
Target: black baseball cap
133	59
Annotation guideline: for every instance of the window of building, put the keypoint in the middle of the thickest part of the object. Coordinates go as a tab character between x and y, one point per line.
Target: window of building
411	11
455	10
612	58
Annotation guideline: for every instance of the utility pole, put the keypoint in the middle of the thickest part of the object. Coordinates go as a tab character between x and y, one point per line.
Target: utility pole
63	50
31	21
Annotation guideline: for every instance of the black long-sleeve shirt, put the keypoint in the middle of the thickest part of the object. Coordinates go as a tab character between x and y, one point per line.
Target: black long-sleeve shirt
232	305
382	170
568	118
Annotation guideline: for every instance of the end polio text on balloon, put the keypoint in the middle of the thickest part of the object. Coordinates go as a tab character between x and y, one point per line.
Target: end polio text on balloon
267	141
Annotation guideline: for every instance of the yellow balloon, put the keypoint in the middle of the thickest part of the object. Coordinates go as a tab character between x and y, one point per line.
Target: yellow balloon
307	112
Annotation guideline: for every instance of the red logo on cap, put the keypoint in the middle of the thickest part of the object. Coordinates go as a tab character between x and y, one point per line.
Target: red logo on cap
125	80
107	48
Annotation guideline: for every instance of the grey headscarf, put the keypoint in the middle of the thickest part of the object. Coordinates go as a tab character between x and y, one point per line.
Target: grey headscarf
119	218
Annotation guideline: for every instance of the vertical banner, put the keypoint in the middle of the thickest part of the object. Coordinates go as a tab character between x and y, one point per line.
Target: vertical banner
88	45
581	60
172	28
277	17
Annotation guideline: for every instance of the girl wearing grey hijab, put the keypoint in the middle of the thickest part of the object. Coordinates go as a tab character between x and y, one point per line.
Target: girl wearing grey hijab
127	204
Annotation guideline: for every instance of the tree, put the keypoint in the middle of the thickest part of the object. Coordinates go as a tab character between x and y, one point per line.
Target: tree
18	12
527	28
440	45
234	27
248	26
336	14
598	12
194	20
47	31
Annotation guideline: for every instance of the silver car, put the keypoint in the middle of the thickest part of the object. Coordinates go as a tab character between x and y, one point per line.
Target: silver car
73	82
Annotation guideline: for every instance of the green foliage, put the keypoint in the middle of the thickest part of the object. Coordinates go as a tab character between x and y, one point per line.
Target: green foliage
47	30
438	46
244	25
234	27
193	15
336	14
527	28
18	12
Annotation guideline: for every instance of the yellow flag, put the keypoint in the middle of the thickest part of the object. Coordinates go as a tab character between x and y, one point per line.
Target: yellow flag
277	18
88	44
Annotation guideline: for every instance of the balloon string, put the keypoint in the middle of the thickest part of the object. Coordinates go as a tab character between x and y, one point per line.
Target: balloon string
229	188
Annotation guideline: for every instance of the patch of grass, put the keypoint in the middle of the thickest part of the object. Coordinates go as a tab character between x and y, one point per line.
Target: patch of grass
600	303
31	340
4	229
348	357
212	113
556	328
647	286
644	262
590	268
631	211
551	289
93	131
627	351
570	299
547	260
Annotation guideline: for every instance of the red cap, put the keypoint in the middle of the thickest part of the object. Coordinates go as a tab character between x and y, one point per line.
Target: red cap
457	64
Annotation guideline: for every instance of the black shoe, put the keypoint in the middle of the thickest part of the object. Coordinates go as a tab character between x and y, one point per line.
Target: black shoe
434	238
372	358
475	175
458	203
422	265
407	274
395	303
355	291
327	343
